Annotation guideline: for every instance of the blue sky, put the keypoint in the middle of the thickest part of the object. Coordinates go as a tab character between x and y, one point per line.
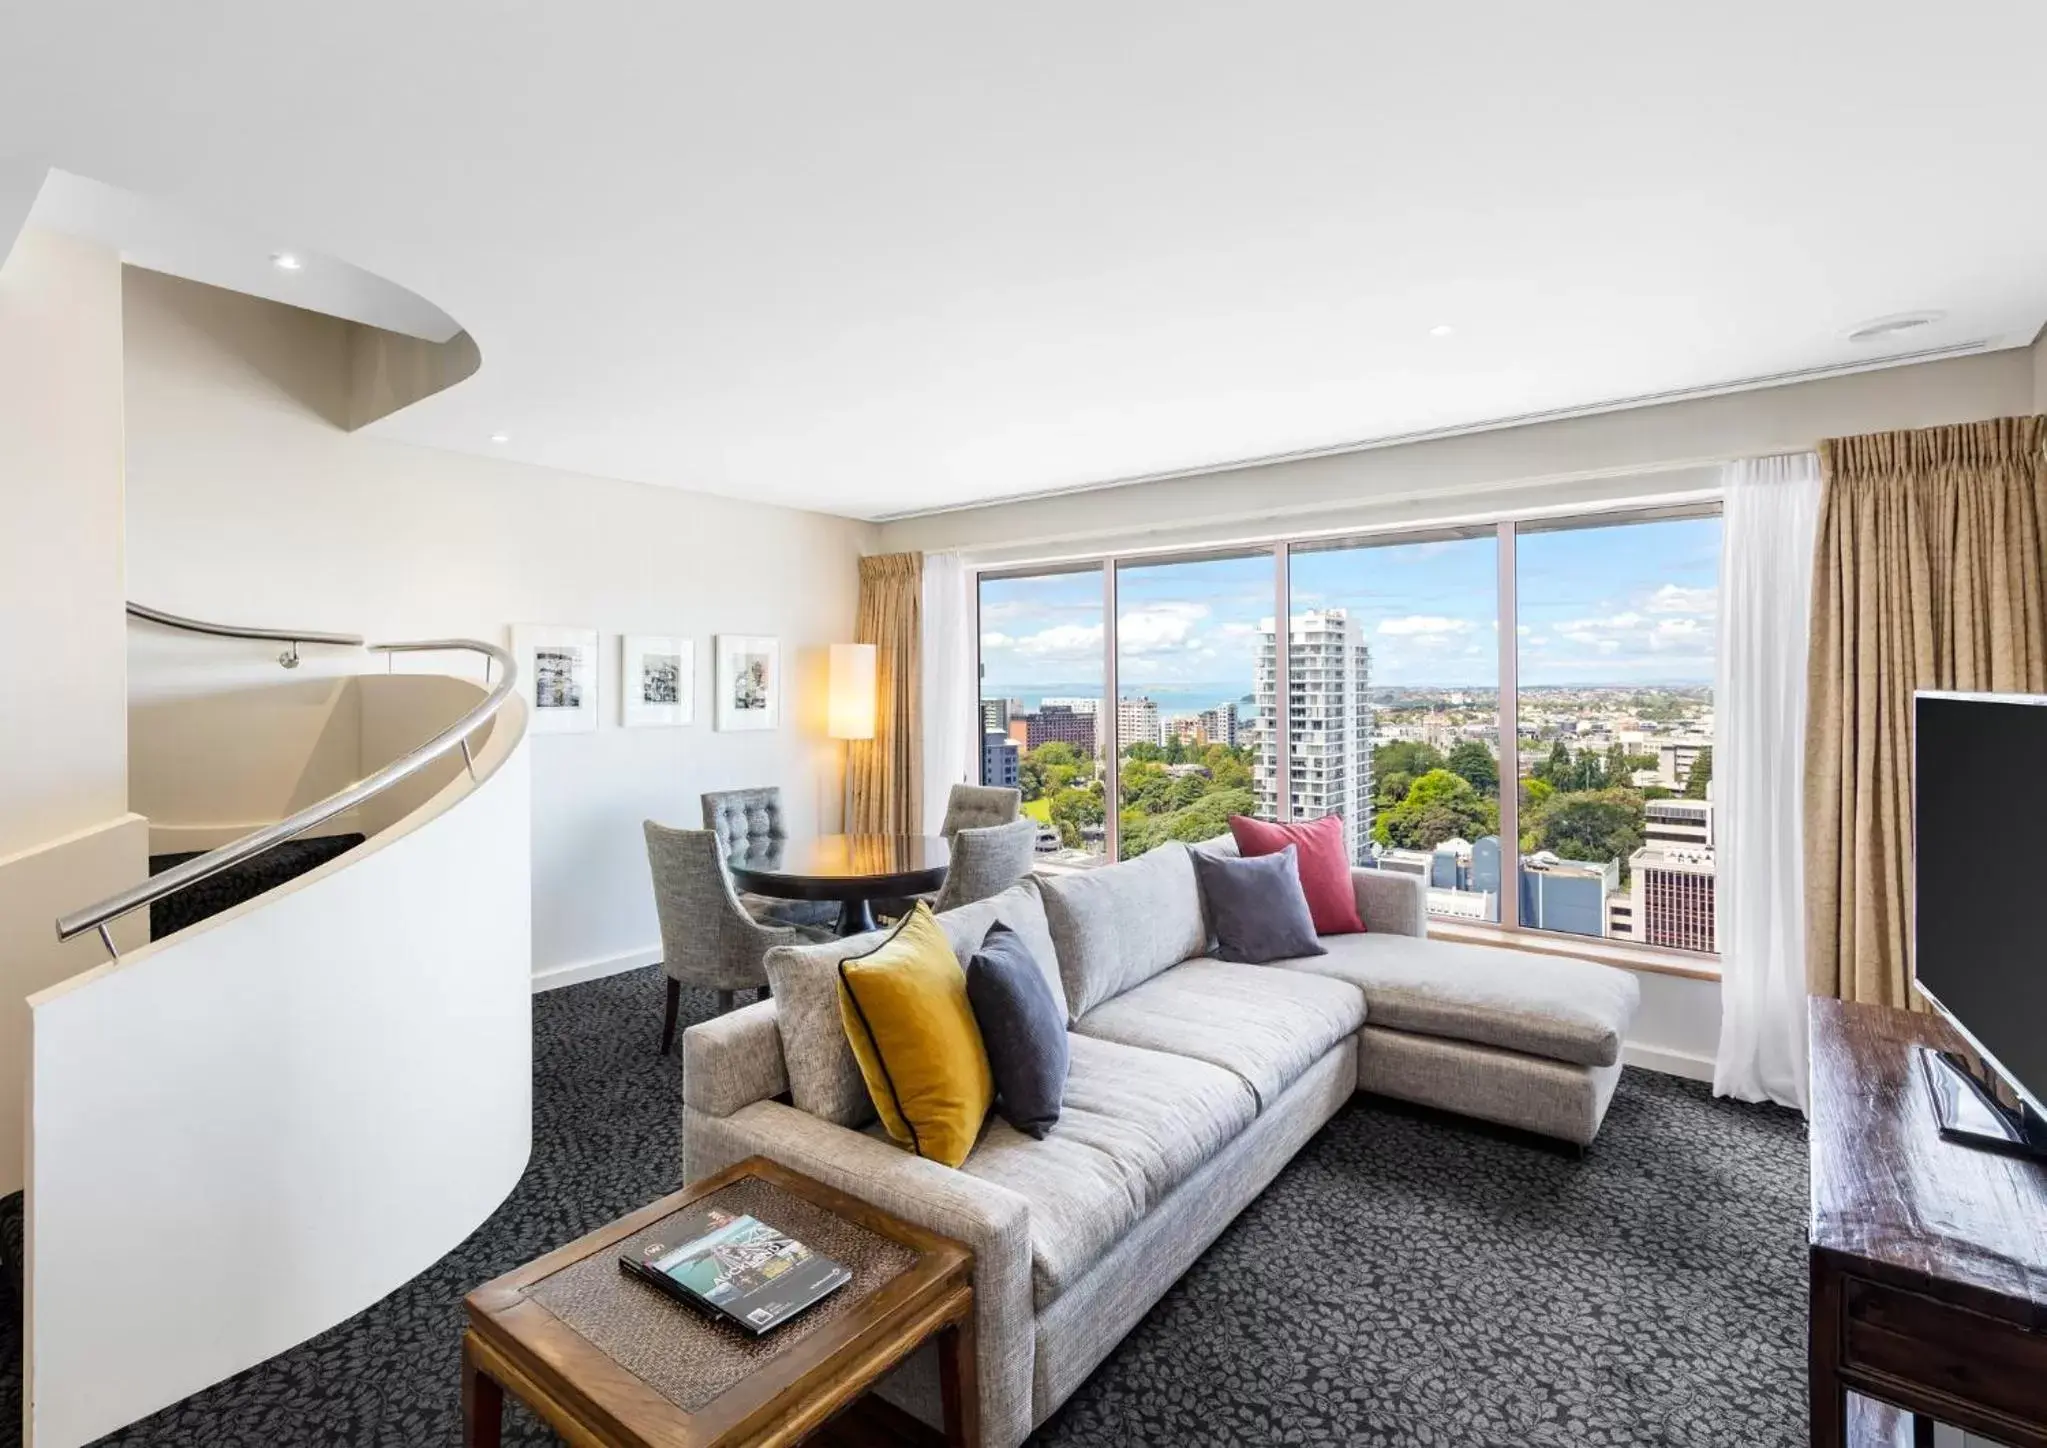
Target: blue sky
1613	605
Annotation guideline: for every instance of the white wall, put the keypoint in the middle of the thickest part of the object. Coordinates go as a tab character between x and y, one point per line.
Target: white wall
36	886
249	1132
1673	447
248	502
63	702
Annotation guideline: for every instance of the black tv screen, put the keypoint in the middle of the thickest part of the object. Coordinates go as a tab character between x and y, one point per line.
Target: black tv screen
1980	826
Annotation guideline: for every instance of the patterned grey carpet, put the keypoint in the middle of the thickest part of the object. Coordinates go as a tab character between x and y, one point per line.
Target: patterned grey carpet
1408	1280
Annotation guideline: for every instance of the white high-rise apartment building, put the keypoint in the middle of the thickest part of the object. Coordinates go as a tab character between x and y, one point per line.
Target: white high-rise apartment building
1329	672
1137	722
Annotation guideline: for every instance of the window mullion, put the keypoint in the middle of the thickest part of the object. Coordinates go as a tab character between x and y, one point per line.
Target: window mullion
1509	697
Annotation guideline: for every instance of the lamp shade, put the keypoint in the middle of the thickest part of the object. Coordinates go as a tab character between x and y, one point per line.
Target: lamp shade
852	703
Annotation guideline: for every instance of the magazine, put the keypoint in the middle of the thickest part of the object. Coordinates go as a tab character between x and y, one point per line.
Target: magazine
736	1267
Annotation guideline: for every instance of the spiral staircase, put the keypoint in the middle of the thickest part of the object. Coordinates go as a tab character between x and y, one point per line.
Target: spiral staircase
302	1072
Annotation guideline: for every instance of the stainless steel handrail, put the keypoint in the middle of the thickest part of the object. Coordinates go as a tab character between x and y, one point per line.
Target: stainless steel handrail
237	631
456	735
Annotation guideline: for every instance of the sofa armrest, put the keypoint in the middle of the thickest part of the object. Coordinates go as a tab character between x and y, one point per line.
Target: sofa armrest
1392	903
733	1060
991	1220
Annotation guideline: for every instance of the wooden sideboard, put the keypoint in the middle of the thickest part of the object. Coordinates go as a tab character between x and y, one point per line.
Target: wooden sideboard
1929	1258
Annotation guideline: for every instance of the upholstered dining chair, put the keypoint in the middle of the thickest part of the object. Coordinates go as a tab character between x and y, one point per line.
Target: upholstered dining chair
979	806
751	820
708	939
986	862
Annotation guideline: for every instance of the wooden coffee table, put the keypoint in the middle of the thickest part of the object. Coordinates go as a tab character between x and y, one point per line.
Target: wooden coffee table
611	1362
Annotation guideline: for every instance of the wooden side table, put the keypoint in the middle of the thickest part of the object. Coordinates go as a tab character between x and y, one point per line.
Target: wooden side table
611	1362
1928	1257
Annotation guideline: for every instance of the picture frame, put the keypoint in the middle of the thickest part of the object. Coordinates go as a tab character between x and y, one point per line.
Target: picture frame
657	680
558	676
748	682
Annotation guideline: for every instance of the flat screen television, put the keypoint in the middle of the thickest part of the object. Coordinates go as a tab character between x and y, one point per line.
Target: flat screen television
1979	782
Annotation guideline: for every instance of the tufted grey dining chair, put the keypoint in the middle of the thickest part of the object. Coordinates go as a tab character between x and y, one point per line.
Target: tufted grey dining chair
751	820
986	862
708	940
978	806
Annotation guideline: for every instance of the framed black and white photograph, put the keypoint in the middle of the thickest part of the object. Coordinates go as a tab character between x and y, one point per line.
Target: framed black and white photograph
558	676
749	682
656	680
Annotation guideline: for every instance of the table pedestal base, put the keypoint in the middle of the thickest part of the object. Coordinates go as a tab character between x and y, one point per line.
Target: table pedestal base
855	918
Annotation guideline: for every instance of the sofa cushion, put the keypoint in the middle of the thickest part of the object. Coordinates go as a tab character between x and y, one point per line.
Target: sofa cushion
1264	1025
1023	1026
904	1008
1541	1005
1135	1124
1323	861
1120	925
1256	907
824	1077
1022	908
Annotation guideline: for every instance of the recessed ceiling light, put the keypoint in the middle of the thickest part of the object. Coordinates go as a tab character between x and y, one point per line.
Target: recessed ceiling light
500	437
286	261
1877	329
1441	329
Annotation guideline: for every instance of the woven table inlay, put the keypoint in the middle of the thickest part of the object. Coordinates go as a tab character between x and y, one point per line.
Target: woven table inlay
690	1360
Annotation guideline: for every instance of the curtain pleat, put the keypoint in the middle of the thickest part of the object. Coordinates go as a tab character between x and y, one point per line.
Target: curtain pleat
883	793
1927	574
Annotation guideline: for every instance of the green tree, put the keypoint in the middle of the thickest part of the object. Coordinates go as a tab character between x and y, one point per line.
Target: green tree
1144	752
1701	775
1617	766
1439	805
1074	810
1473	762
1393	788
1176	750
1594	825
1406	756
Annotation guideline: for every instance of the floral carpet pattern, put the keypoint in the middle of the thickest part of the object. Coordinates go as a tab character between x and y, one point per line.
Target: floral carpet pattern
1407	1280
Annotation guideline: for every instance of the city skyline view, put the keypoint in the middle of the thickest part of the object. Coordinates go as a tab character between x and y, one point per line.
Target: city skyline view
1591	615
1395	663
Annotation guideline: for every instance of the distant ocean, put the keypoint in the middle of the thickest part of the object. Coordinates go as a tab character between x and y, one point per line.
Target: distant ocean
1173	702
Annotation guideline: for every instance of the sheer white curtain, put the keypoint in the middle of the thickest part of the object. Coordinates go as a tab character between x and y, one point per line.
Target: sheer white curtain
951	691
1771	520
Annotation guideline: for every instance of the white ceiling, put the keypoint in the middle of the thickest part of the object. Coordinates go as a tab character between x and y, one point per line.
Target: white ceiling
889	257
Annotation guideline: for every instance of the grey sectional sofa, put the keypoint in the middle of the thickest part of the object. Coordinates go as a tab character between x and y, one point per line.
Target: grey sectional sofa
1193	1081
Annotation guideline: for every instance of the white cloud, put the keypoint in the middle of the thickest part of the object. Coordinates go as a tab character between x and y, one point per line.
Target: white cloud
1676	598
996	640
1424	625
1159	627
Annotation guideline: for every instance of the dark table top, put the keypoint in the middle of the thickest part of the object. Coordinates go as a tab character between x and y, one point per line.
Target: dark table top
1890	1195
829	866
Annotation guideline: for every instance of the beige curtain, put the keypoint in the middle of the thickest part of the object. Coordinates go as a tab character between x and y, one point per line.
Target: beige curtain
884	793
1927	575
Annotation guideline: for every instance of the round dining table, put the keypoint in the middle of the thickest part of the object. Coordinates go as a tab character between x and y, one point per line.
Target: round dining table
853	870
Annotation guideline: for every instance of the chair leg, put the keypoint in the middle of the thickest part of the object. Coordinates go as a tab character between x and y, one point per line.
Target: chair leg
668	1016
725	1000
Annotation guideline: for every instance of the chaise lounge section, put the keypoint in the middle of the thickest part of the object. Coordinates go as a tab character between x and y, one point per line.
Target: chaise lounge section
1192	1082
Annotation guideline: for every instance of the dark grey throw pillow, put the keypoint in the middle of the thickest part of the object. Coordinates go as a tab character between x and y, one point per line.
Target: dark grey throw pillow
1256	907
1023	1029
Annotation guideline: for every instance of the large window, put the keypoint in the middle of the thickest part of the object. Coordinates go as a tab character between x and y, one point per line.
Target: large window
1186	636
1393	671
1616	652
1041	700
1519	713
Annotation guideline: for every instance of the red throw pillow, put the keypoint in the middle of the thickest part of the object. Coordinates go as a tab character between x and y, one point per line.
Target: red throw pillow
1325	869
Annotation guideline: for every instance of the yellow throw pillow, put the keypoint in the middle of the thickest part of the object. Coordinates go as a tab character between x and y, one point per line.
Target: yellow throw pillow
904	1007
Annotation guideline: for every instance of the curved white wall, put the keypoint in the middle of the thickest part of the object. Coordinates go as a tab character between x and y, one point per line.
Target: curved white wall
251	1131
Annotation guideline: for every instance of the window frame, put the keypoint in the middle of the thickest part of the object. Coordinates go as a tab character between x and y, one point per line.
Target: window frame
1506	529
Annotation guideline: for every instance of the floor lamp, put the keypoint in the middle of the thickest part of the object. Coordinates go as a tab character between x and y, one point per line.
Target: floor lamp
850	712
